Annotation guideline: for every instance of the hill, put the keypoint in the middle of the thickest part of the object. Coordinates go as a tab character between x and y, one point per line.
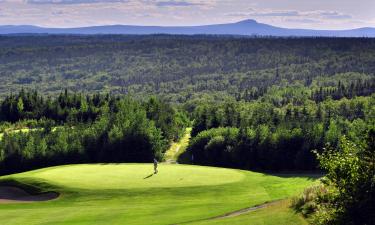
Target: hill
131	194
245	27
178	68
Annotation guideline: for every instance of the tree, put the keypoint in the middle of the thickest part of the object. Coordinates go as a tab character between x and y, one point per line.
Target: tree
351	180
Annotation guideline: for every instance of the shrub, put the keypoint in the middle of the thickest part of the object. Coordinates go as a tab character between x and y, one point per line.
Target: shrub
306	203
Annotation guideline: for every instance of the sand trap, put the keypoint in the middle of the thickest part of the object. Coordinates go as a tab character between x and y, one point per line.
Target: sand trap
9	194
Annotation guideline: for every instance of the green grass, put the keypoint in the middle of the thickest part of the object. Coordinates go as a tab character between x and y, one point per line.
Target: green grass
279	213
128	194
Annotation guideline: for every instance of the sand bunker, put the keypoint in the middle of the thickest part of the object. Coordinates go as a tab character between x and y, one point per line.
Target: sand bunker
9	194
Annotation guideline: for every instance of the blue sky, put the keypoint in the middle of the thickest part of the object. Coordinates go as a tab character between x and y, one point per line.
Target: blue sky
316	14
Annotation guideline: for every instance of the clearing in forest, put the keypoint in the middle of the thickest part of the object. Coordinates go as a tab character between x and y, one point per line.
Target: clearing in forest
177	148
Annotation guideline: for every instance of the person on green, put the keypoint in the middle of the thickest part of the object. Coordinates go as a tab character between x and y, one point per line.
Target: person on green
155	166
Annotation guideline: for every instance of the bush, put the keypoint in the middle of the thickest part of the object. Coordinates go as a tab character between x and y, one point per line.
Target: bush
306	203
348	192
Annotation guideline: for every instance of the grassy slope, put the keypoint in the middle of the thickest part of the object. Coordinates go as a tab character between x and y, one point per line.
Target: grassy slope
122	194
177	148
279	213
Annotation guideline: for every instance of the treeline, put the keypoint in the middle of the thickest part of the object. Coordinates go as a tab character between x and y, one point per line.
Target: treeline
318	93
275	132
123	130
354	88
66	107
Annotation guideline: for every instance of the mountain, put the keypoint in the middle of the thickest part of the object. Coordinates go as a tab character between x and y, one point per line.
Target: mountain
246	27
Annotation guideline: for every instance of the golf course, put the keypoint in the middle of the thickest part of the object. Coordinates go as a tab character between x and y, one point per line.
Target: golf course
219	120
132	194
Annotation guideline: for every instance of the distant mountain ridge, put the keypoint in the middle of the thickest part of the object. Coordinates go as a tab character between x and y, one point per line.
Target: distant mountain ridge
245	27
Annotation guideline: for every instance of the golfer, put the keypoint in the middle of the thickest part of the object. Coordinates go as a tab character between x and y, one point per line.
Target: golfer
155	166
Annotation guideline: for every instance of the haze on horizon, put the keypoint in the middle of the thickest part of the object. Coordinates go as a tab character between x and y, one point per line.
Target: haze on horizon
318	14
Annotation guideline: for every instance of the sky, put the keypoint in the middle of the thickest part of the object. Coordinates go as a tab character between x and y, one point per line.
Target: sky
313	14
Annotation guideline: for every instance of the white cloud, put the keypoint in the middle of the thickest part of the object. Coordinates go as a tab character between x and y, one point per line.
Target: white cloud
297	18
173	3
301	20
72	1
291	13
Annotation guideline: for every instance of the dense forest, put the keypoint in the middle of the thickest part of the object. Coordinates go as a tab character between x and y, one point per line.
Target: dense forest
277	133
185	68
74	128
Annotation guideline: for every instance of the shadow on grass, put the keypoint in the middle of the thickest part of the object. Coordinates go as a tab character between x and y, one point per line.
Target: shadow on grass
32	187
184	158
149	176
310	175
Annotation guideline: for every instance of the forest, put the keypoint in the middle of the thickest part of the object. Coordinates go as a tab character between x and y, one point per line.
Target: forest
254	103
269	135
182	68
74	128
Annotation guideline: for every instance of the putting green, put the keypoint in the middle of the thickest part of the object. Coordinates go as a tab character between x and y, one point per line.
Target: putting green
130	176
128	194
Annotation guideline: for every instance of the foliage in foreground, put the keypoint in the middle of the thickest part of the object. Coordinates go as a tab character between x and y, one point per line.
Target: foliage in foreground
348	194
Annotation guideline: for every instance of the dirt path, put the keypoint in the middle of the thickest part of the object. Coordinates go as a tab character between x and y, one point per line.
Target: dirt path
10	194
245	210
238	212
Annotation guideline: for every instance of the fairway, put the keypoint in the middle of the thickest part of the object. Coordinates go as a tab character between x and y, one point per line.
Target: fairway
132	194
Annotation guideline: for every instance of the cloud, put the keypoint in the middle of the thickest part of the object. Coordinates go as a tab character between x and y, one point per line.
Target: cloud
275	14
302	20
306	15
265	13
58	13
173	3
335	15
70	2
237	14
